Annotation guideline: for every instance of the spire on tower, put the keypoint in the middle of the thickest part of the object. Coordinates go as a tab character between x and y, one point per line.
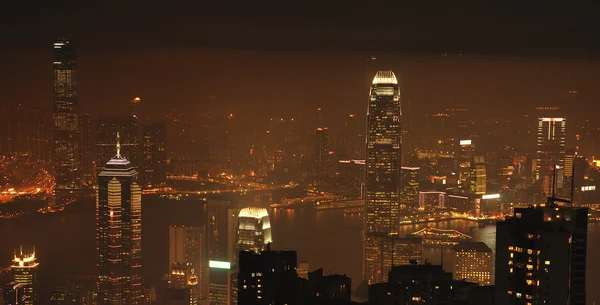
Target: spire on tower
118	146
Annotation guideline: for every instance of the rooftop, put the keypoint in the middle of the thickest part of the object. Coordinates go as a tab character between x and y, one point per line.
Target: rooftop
472	246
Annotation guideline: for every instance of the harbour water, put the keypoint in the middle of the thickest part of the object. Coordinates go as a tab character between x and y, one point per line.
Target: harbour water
65	241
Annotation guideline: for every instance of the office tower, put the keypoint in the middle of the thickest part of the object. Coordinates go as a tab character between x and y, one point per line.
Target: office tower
541	256
383	160
222	242
13	294
409	189
187	245
473	262
268	277
550	150
127	127
155	155
119	233
465	156
478	176
254	230
319	289
385	250
321	153
183	276
67	131
422	284
24	269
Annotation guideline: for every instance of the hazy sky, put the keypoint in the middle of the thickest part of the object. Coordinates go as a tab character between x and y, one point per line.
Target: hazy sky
264	59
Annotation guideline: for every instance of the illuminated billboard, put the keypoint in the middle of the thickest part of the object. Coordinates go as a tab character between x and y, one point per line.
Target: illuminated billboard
219	265
490	196
465	142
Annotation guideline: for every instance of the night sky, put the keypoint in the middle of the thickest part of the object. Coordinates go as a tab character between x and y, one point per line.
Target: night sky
268	58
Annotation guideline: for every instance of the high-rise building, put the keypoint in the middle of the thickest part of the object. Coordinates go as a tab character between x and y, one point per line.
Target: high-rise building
409	191
383	159
465	157
24	269
119	233
319	289
478	176
155	155
107	128
303	270
183	276
473	262
268	277
551	137
254	230
222	242
13	294
88	174
541	256
187	245
67	129
321	152
385	250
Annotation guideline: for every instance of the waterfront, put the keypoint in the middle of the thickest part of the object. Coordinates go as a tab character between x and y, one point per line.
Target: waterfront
65	241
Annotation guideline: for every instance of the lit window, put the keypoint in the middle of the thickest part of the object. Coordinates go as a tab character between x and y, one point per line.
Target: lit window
547	262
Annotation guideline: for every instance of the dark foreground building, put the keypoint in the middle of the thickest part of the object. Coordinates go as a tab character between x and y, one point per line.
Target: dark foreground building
541	256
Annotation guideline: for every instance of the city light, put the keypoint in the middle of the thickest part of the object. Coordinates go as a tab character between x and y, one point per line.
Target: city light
465	142
490	196
219	265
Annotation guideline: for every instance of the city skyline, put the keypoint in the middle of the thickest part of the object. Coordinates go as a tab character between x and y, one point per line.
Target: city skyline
454	169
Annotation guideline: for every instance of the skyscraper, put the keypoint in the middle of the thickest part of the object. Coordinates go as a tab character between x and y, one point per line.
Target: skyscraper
409	192
473	262
13	294
551	137
187	245
478	177
541	256
119	233
67	129
321	153
254	230
383	159
24	269
154	139
383	250
222	229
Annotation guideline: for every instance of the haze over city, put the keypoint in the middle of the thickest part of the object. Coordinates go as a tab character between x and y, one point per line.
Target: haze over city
301	153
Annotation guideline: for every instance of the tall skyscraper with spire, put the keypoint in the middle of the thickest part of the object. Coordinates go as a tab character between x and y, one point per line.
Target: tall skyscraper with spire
119	233
383	142
24	270
67	129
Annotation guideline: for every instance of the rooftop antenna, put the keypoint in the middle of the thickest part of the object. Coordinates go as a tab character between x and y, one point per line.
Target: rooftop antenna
118	146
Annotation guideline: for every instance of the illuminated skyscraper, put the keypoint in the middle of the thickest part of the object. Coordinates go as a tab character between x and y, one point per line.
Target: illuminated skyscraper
383	250
187	245
473	262
119	233
465	157
254	230
24	269
551	137
155	155
321	152
478	176
383	159
541	256
67	129
409	192
222	229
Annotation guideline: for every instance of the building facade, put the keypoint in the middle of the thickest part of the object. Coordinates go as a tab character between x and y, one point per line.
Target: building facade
383	140
154	139
119	233
473	263
409	191
384	250
67	129
541	256
551	138
24	269
254	229
187	245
